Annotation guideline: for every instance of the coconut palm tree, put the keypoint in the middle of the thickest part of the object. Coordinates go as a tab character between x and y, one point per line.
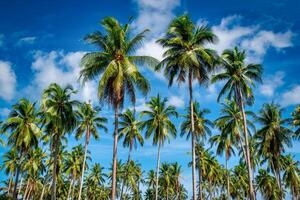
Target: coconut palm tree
158	124
58	110
89	122
186	58
151	182
239	80
23	125
273	137
267	185
296	121
130	131
291	176
225	142
94	181
10	160
116	64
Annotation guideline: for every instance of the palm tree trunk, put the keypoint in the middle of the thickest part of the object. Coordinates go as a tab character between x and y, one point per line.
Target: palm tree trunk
56	149
29	192
277	178
84	160
193	136
15	194
70	188
26	189
228	185
43	192
125	176
210	190
9	185
248	156
20	187
114	174
157	171
200	181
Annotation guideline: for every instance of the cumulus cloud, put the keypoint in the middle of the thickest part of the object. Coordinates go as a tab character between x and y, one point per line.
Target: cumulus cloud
176	101
251	37
7	81
291	97
62	68
27	40
271	83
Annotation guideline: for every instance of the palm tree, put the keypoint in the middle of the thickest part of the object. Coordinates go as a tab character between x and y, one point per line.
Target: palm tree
159	125
187	58
267	185
10	160
96	178
202	127
296	121
151	182
129	130
23	124
239	79
272	138
291	176
115	63
225	142
89	123
58	109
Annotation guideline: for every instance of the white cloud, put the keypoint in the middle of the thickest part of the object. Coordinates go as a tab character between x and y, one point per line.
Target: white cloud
7	81
291	97
4	112
271	83
176	101
151	48
27	40
62	68
154	15
251	37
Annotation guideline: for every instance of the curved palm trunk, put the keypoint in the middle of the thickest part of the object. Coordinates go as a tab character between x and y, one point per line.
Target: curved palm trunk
15	194
277	178
43	192
123	183
114	173
248	156
157	171
200	182
53	187
228	185
87	138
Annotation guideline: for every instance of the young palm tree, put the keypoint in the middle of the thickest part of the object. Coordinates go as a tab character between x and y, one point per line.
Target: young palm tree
225	142
115	63
23	124
272	138
150	181
58	110
186	58
159	125
89	122
130	131
267	185
291	176
239	79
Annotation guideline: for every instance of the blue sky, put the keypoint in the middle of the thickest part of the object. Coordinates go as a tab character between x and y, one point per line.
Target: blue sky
41	42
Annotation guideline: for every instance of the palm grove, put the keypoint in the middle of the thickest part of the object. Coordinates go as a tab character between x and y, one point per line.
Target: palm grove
264	168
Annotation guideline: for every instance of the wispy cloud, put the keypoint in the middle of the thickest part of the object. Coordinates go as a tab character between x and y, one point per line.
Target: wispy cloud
8	81
271	83
291	97
27	40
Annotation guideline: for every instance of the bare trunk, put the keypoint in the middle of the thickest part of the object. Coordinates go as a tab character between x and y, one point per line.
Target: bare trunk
210	190
20	187
70	188
26	189
277	177
43	192
125	176
193	137
87	138
157	171
15	194
114	174
56	149
9	185
200	182
248	156
29	192
228	185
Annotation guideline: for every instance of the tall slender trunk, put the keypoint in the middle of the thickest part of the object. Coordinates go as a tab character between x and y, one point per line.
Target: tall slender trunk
9	185
87	138
210	190
250	174
193	136
228	185
20	187
125	175
70	188
114	174
56	149
26	189
277	178
200	181
43	192
29	192
15	194
157	171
